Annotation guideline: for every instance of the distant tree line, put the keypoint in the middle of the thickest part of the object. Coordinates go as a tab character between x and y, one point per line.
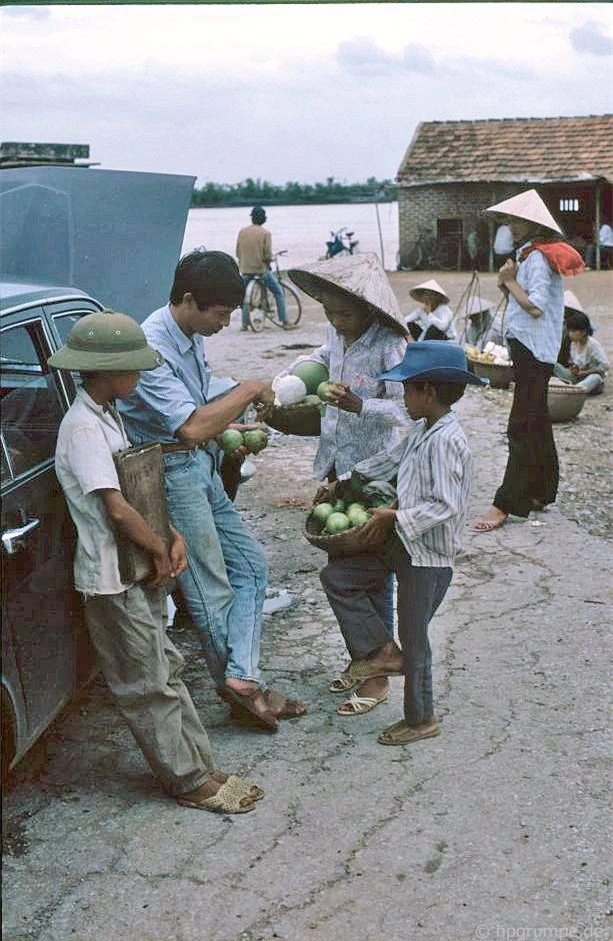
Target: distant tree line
250	191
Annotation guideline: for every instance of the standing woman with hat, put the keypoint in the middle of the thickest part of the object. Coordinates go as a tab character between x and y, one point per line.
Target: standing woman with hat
434	319
533	330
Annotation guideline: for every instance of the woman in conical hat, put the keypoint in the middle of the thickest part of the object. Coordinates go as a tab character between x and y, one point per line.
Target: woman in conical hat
434	319
364	337
533	329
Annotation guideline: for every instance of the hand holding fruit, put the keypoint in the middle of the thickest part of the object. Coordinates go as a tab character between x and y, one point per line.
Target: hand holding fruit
238	444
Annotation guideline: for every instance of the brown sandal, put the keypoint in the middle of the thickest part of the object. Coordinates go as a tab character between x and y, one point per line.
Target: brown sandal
247	708
284	708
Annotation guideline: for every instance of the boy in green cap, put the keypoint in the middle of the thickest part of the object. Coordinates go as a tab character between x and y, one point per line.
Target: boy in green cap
126	622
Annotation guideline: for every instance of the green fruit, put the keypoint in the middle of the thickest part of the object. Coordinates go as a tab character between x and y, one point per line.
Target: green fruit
311	400
321	511
339	506
323	390
359	517
355	509
311	373
230	440
255	440
337	523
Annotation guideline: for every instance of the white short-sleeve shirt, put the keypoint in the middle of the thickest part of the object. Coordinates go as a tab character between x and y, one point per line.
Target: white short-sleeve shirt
87	439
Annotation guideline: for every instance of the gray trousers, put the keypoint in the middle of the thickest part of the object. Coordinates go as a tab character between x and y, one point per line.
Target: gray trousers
142	668
356	590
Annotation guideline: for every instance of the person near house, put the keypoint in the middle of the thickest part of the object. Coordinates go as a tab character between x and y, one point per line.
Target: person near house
126	622
605	241
533	330
254	253
417	541
503	245
588	361
482	324
365	414
225	582
433	319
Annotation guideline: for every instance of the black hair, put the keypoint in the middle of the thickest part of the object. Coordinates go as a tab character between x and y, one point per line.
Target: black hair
258	215
210	277
577	320
446	392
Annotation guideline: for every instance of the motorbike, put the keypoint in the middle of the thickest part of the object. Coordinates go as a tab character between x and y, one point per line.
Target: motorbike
341	243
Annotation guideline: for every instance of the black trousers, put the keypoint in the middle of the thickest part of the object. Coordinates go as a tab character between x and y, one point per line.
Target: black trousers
432	333
532	467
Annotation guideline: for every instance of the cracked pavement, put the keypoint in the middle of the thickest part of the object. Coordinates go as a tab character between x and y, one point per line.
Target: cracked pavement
495	827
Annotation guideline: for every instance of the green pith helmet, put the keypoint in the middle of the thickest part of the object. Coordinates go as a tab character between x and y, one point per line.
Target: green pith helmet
106	342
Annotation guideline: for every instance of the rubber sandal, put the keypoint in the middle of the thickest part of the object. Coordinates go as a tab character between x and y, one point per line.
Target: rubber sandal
229	799
283	708
244	709
359	705
402	734
343	683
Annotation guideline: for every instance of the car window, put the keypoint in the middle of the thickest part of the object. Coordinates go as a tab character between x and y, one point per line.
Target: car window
65	322
31	409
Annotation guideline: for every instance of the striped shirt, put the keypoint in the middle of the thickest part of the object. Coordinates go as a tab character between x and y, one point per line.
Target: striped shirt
346	437
166	397
434	468
541	335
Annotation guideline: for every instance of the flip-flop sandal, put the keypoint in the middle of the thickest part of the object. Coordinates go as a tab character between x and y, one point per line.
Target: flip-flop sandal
402	734
283	708
359	705
343	683
244	709
228	800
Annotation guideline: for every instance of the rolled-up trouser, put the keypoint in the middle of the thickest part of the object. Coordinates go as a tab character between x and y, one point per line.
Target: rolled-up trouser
142	669
225	584
356	587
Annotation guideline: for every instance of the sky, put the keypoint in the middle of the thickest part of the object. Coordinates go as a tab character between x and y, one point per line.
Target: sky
296	92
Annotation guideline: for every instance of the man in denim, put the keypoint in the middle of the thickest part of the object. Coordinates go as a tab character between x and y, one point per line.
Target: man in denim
224	586
254	253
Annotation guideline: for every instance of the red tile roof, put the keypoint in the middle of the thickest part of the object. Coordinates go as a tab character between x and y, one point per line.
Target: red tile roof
510	149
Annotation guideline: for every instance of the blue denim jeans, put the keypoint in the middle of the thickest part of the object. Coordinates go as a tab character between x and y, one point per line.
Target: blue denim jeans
267	278
225	584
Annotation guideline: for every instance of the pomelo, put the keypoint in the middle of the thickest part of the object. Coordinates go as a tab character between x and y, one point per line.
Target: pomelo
337	523
339	506
355	509
311	373
230	439
255	440
359	517
321	511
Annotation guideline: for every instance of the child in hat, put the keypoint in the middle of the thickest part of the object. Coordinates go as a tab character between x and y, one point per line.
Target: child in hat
433	320
365	414
588	361
533	331
126	622
481	325
420	538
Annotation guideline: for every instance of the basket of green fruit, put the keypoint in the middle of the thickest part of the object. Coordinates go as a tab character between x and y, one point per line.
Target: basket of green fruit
339	527
298	407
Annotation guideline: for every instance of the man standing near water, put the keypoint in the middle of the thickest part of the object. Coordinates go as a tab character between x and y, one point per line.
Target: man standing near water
254	253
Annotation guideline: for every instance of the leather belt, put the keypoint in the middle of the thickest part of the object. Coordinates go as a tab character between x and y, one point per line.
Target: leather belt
168	446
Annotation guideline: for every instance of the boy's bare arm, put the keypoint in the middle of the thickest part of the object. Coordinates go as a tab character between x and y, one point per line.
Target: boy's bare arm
132	525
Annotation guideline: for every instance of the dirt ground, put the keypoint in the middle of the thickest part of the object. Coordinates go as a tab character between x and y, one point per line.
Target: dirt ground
495	830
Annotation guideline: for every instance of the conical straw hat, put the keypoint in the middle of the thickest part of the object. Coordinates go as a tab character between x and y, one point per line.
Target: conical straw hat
478	305
361	277
573	302
417	292
529	206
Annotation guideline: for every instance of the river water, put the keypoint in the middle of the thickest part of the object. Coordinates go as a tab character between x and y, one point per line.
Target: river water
302	230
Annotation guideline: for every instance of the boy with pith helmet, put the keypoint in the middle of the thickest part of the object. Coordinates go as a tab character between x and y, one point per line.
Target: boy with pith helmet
418	540
126	622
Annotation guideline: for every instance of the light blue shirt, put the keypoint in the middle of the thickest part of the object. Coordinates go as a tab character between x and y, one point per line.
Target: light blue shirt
541	335
166	397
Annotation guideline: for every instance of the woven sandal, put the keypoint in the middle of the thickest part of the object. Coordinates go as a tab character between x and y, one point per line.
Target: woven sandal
359	705
229	799
247	787
402	734
361	670
343	683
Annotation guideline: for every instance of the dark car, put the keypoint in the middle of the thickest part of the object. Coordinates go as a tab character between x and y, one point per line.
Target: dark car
117	236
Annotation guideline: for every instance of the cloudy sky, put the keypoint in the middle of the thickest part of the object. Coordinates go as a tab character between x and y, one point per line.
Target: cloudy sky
290	92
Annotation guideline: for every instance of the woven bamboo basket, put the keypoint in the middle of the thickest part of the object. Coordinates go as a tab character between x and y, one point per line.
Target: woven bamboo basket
564	402
499	376
296	419
338	544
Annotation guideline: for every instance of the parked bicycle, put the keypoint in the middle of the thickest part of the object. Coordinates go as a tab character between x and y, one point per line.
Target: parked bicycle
341	243
427	252
261	305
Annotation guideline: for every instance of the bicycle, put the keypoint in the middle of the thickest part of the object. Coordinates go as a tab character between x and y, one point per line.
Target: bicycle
430	253
341	243
261	304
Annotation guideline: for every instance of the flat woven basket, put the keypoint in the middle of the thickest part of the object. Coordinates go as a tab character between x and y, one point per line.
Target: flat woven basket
499	376
564	402
297	419
337	544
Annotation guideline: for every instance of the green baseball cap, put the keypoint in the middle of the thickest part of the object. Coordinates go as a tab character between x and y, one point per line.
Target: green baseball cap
106	342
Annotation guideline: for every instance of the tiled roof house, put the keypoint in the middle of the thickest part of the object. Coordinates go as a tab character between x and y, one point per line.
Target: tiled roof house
454	169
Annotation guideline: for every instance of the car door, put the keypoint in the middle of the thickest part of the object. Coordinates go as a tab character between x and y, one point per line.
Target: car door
41	614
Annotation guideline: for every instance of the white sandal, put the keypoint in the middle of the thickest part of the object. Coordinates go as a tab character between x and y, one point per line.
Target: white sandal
343	683
359	705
